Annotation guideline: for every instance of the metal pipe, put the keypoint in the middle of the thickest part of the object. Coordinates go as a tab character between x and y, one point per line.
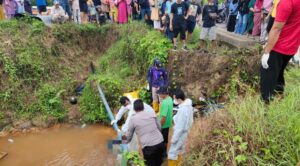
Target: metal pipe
107	108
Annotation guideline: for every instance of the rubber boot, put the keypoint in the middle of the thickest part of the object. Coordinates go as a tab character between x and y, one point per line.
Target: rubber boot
156	107
177	162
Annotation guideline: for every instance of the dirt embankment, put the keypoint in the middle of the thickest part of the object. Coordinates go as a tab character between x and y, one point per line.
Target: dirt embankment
201	74
32	57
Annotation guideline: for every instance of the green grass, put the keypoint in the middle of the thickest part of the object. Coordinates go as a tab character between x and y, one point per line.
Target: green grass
252	133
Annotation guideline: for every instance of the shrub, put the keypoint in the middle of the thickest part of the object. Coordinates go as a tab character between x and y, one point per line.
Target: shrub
49	102
91	105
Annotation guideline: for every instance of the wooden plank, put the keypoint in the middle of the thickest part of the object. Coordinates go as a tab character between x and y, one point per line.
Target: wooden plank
3	154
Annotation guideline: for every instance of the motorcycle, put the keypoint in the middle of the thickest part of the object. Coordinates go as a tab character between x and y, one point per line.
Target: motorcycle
221	14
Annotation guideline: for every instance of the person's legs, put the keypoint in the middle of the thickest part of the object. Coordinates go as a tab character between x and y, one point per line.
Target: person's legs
203	34
270	24
244	23
165	133
190	26
69	10
155	98
177	162
159	154
280	81
176	31
153	155
269	76
148	156
212	35
183	36
263	33
238	25
143	12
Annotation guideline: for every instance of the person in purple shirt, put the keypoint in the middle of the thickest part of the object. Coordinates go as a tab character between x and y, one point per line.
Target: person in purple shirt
157	77
10	8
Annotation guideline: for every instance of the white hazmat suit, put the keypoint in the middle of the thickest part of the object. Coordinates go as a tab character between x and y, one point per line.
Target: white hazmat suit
183	121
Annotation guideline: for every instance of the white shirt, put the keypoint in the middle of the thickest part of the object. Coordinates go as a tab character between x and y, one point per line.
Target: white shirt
57	11
131	112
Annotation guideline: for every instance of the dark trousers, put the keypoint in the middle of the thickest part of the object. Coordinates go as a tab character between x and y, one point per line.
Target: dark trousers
153	154
231	23
165	133
272	79
270	24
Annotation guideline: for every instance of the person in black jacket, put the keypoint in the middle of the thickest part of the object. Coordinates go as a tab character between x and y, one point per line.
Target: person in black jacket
242	17
209	17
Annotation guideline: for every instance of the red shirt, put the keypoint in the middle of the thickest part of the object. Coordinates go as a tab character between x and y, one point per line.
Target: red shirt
288	11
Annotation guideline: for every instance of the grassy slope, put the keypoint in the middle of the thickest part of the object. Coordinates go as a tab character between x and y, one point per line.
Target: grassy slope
40	67
251	133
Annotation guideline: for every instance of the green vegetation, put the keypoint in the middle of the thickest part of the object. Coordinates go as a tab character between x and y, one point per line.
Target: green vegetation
123	67
41	66
134	158
252	133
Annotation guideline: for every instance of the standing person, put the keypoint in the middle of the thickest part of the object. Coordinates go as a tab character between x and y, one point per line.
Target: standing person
10	8
193	16
20	7
257	18
165	115
83	7
266	11
122	12
28	6
2	16
233	6
209	17
97	4
183	121
76	11
105	7
66	6
157	78
250	17
41	6
113	11
166	20
135	10
144	6
91	11
178	23
155	15
283	42
272	17
242	17
147	128
127	106
129	9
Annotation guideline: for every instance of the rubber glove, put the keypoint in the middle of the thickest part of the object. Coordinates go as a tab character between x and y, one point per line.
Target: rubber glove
113	122
119	131
264	60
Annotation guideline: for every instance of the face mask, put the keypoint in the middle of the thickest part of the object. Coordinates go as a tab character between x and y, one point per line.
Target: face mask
175	102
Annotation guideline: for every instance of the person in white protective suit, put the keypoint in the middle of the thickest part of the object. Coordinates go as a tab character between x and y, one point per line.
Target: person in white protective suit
127	107
183	121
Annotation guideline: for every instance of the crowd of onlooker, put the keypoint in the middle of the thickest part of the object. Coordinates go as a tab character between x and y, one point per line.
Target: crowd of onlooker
251	17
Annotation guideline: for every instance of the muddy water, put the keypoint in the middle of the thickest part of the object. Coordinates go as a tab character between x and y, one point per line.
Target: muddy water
63	146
